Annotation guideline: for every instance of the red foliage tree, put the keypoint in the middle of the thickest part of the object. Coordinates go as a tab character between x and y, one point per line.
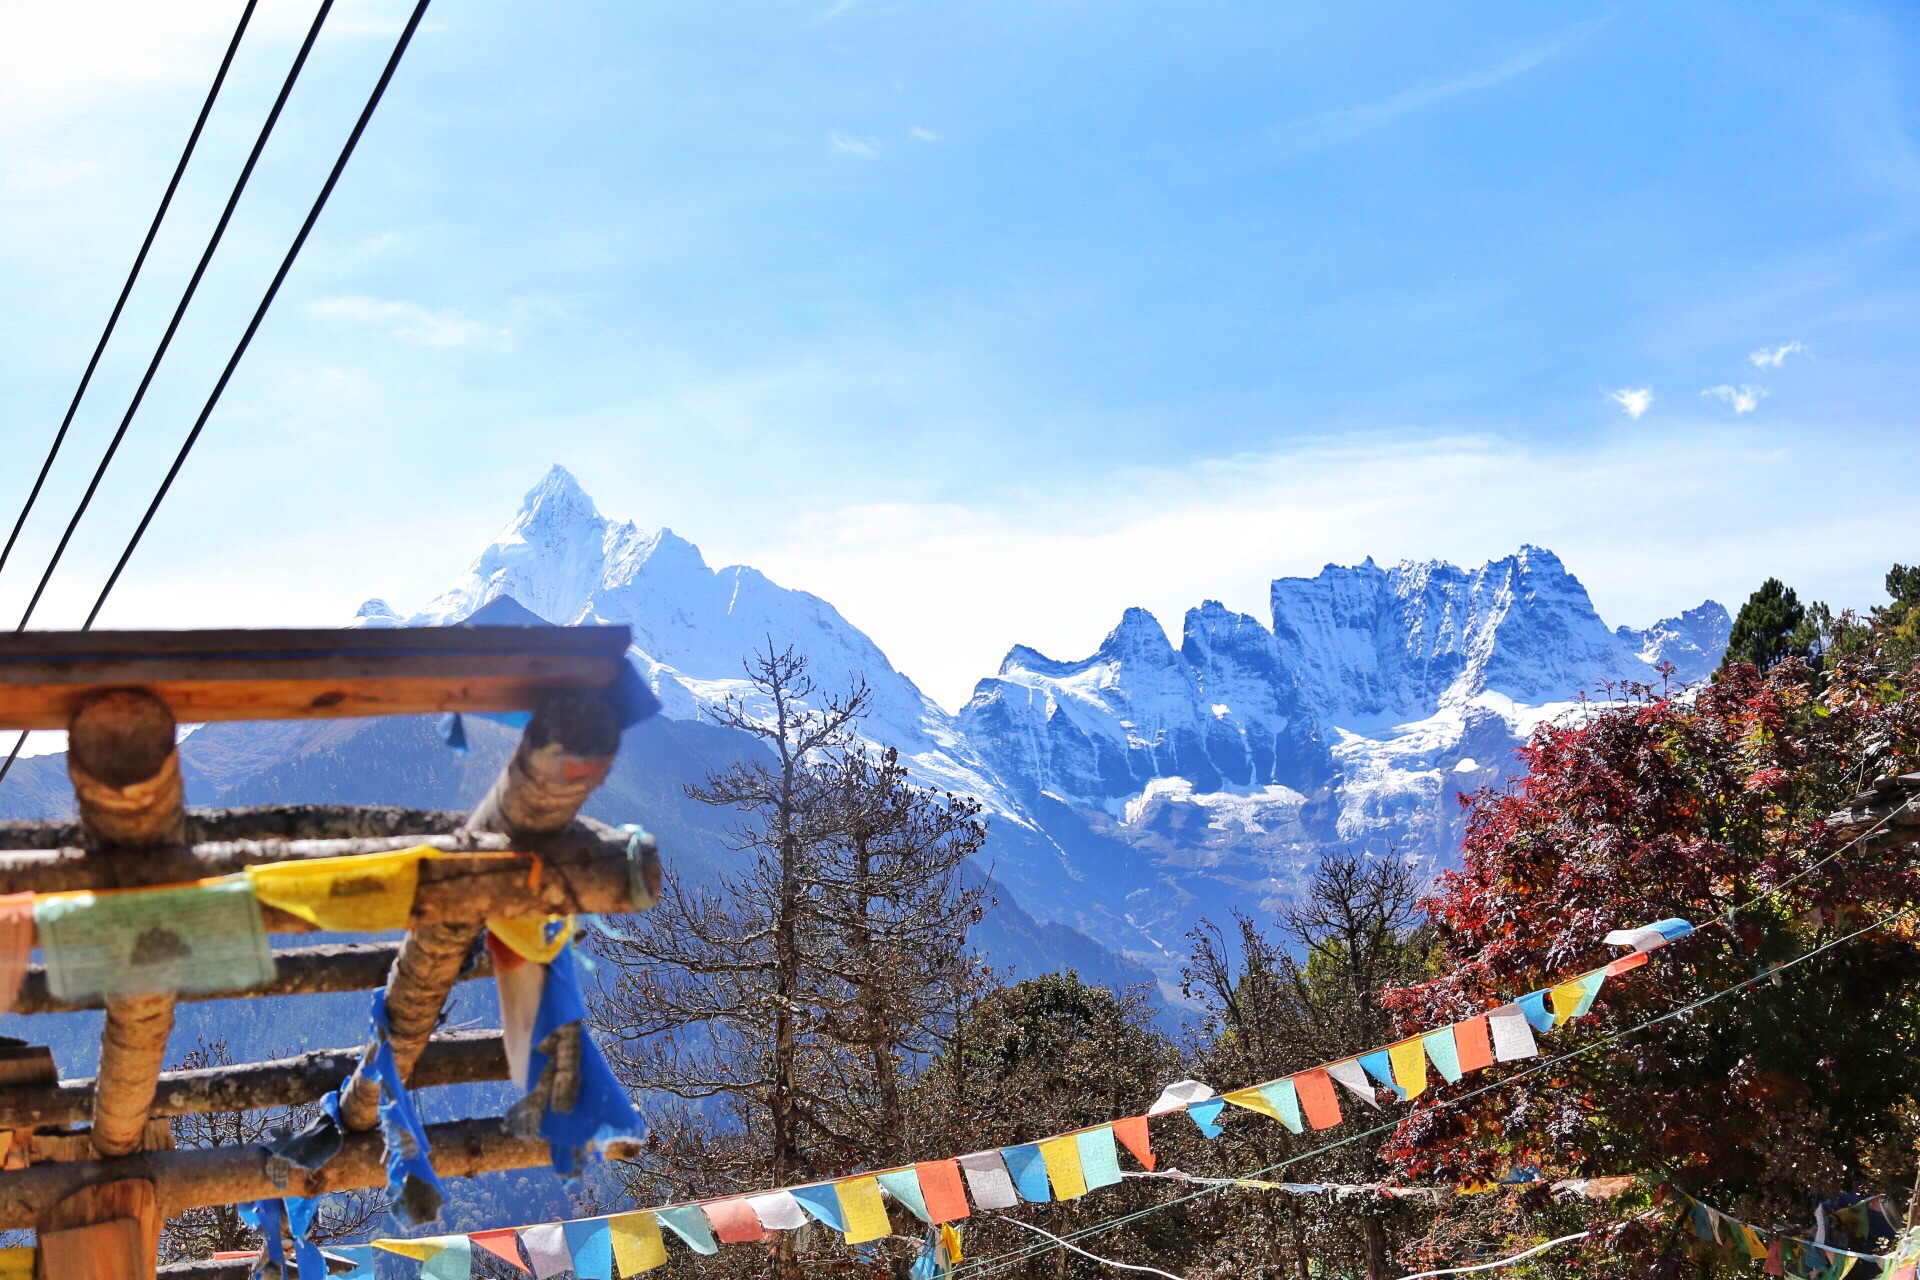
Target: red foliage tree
1709	807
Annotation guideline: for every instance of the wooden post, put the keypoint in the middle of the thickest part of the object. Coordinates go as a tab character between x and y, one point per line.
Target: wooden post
108	1229
564	753
126	777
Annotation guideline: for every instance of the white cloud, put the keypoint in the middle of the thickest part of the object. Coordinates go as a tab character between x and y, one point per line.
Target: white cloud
411	322
1742	399
1635	402
923	135
845	144
1773	358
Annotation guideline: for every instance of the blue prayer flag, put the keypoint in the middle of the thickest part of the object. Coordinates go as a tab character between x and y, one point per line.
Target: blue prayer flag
1029	1172
1205	1113
1535	1007
823	1203
1380	1067
591	1243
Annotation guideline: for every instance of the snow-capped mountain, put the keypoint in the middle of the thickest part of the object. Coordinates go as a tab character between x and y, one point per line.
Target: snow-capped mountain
1145	787
694	626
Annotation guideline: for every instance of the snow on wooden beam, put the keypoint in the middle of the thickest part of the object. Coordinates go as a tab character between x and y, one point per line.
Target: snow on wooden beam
304	971
564	753
192	1179
461	1057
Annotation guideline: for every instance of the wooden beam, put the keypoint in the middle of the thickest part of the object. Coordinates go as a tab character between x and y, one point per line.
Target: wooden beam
564	753
259	822
458	1057
192	1179
67	868
304	971
294	675
100	1230
126	777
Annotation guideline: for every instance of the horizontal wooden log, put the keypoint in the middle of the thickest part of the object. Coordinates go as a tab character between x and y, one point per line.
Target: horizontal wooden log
460	1057
67	868
259	822
304	674
304	971
229	1175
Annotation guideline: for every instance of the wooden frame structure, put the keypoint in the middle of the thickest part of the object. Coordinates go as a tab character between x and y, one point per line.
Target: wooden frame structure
90	1164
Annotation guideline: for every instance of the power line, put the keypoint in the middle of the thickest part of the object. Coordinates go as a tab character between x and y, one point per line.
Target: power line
260	313
179	311
139	260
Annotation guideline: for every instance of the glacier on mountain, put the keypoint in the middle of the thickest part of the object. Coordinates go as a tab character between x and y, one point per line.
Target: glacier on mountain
1145	787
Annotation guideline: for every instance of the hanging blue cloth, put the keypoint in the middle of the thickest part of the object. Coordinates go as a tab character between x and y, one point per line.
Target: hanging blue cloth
629	698
416	1190
1535	1007
601	1109
272	1218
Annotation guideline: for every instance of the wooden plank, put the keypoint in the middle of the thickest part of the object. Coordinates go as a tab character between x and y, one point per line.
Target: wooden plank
103	1231
456	1057
304	971
304	674
192	1179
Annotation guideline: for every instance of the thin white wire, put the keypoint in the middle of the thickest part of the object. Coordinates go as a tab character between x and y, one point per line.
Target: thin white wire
1504	1262
1065	1244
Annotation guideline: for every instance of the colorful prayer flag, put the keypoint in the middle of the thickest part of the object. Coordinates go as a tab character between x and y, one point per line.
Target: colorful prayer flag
1252	1100
1028	1169
1379	1065
591	1244
942	1191
778	1211
1350	1074
1756	1247
363	893
1472	1044
504	1245
637	1245
1446	1058
734	1221
904	1185
690	1223
444	1257
1512	1034
1132	1130
1409	1067
1099	1161
205	936
1205	1114
1062	1156
988	1180
1632	960
1315	1090
546	1244
1534	1006
1285	1101
865	1212
1179	1094
535	940
823	1202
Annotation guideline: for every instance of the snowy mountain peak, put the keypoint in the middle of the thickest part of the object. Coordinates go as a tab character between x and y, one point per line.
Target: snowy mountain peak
1692	642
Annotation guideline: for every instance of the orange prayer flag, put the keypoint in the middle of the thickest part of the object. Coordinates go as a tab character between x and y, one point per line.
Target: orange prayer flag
734	1221
941	1188
1631	960
1133	1132
1472	1044
1315	1090
504	1245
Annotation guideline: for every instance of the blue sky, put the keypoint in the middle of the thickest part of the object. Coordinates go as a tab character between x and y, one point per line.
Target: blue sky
986	321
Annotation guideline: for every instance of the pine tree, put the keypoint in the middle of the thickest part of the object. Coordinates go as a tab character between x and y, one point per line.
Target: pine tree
1773	625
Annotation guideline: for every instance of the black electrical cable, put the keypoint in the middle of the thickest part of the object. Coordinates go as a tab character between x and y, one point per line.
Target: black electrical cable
139	260
166	339
260	312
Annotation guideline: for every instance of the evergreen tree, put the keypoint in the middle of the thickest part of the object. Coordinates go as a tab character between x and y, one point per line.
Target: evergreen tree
1773	625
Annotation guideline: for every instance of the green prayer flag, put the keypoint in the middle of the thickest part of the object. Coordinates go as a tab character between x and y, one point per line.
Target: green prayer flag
207	936
1099	1161
1286	1100
1445	1057
904	1186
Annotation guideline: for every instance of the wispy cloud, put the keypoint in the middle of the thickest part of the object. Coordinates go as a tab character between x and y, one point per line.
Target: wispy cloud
1742	399
1333	127
845	144
923	135
411	322
1774	357
840	7
1635	402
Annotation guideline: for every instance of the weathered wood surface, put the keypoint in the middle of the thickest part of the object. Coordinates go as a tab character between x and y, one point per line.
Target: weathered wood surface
457	1057
260	822
304	674
191	1179
106	1229
564	753
304	971
126	778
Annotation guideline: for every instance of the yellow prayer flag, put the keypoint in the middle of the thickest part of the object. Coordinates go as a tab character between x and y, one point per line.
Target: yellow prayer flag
950	1241
425	1248
1409	1059
1566	998
17	1263
1063	1167
865	1212
1756	1248
1253	1100
366	893
538	940
637	1245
